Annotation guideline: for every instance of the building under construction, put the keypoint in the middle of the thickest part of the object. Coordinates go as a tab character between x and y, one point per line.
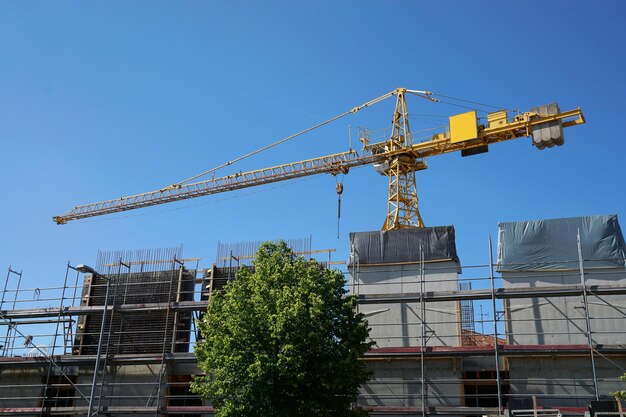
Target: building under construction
542	318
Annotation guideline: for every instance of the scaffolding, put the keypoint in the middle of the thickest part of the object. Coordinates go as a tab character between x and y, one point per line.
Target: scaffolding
421	373
129	351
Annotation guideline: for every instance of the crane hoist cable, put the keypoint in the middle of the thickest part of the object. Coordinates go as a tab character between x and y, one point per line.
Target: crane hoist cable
472	102
339	189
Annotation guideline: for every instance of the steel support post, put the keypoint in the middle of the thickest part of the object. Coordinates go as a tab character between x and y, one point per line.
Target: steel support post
422	330
162	370
5	345
495	325
118	280
587	320
6	283
96	366
56	332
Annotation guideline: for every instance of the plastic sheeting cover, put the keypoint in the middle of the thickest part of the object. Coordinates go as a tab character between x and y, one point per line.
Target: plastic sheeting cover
551	244
403	245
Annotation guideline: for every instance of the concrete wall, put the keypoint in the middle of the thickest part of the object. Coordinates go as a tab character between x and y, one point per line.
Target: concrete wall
402	278
125	386
399	324
561	381
397	383
132	386
561	320
22	387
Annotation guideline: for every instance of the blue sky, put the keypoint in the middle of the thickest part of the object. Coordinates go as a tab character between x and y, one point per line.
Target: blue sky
104	99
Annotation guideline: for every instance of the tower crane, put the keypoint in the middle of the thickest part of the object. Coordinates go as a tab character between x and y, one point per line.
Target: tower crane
397	157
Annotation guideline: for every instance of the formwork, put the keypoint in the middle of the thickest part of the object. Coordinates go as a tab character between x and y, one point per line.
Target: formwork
136	332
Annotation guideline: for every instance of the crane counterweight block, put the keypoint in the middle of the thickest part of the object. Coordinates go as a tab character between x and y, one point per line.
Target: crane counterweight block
548	134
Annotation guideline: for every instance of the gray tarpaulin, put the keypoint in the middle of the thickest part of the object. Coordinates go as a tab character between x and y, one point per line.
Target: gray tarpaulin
551	244
403	245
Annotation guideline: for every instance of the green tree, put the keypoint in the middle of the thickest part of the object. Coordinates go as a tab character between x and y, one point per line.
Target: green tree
620	394
282	341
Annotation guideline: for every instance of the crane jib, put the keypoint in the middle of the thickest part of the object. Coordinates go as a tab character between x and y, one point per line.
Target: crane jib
333	164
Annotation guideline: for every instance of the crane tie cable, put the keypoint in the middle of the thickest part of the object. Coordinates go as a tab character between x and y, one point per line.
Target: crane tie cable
353	110
470	102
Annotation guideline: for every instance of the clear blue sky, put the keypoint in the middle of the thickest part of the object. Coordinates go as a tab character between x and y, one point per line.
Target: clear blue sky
104	99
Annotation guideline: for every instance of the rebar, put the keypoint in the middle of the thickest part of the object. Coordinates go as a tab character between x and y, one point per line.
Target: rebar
246	251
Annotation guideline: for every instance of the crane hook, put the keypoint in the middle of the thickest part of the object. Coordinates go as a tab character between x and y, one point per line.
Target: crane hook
339	189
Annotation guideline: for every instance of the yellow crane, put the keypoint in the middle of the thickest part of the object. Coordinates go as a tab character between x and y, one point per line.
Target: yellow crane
398	157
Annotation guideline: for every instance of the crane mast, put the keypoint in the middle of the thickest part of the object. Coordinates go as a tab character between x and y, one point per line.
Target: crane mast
402	202
397	157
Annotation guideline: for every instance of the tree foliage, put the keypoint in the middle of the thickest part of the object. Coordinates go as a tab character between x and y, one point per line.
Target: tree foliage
620	394
282	340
